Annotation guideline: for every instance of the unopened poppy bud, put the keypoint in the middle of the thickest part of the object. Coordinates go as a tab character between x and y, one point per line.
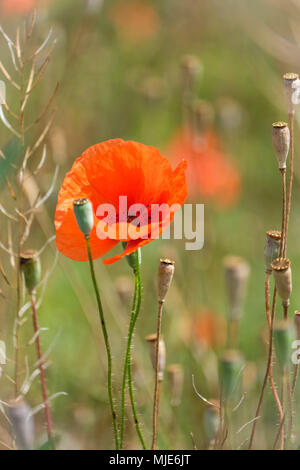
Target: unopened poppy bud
165	275
236	275
272	248
19	413
131	259
83	211
288	81
231	364
31	268
281	268
283	343
152	340
281	142
211	419
176	376
297	323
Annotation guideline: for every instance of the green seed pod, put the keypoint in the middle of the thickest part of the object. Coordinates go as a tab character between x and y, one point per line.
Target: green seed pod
272	248
165	275
131	259
31	268
211	420
281	142
230	368
83	211
282	343
282	273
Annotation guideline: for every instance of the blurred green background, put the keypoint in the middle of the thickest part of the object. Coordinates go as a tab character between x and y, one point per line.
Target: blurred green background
119	68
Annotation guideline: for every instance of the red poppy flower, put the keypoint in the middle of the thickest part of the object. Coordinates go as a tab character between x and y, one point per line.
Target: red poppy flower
211	173
102	174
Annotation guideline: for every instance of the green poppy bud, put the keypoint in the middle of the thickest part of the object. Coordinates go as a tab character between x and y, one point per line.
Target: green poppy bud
230	368
131	259
83	211
31	268
283	343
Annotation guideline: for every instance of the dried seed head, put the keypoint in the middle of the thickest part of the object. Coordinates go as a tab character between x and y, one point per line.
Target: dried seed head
211	419
297	323
165	275
236	276
272	248
22	423
152	340
283	343
281	142
288	81
282	273
83	211
191	67
230	367
30	266
176	376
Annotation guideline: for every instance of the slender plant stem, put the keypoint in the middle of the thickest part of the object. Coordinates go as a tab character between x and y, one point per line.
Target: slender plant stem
136	306
295	376
269	362
107	345
271	378
156	388
284	214
291	176
42	372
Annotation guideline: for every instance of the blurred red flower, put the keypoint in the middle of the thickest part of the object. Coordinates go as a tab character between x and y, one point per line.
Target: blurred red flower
134	20
211	173
17	7
208	329
102	174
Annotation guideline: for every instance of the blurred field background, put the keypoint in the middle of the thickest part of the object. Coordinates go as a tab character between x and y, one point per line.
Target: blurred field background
119	67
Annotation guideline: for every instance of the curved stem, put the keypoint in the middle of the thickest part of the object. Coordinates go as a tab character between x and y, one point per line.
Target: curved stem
269	362
42	372
107	345
136	305
157	386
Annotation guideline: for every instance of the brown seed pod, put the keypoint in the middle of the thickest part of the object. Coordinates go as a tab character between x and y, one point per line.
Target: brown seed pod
282	273
165	276
236	276
152	339
281	142
288	80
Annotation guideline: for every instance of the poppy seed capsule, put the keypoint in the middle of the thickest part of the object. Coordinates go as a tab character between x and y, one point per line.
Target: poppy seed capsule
297	323
176	376
283	343
272	248
211	420
165	275
152	339
288	81
281	142
83	211
282	273
30	266
236	276
230	367
19	413
131	259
